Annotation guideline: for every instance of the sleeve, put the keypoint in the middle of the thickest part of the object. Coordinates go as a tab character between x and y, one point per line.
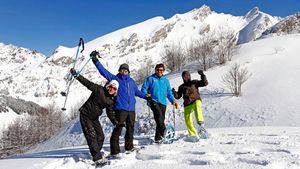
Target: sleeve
111	114
104	72
145	86
179	93
203	82
88	84
169	92
138	92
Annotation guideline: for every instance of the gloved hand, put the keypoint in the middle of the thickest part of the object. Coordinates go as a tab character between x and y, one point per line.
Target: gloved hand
176	105
200	72
148	97
94	55
73	72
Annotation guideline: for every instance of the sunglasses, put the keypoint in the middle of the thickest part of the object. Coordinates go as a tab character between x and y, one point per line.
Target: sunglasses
112	88
160	70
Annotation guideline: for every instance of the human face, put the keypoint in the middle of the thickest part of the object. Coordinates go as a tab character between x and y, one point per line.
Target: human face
159	71
186	77
112	90
124	72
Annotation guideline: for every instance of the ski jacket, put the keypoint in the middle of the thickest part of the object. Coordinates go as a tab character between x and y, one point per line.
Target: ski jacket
159	88
98	100
125	99
189	90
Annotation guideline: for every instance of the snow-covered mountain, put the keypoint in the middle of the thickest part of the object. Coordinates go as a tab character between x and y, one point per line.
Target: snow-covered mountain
257	23
288	25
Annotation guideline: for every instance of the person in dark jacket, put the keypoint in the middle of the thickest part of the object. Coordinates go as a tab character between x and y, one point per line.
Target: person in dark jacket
191	100
100	98
124	104
158	86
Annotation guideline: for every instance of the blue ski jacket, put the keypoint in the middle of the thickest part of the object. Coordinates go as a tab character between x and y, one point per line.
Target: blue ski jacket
125	99
159	88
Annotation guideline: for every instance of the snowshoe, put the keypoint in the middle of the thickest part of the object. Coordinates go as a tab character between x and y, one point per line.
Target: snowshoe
203	134
169	135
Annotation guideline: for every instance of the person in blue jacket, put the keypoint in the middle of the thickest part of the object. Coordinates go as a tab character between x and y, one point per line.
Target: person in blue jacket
124	104
158	86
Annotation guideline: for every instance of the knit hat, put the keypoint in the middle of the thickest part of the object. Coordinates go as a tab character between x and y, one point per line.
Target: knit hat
124	66
114	84
185	73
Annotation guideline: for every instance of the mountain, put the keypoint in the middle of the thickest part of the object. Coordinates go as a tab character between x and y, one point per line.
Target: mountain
288	25
257	23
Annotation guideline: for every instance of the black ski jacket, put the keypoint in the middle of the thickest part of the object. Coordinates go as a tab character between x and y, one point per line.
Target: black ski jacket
98	100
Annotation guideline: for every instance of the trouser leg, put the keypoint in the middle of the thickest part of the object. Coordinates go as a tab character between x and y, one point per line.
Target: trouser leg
159	117
89	130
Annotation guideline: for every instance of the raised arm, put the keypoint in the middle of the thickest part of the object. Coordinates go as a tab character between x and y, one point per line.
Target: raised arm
104	72
203	82
88	84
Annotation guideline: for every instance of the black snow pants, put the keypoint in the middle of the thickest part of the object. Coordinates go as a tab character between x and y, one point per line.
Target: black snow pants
93	133
159	111
127	119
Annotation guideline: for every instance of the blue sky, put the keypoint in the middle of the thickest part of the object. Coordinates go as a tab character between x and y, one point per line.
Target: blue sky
45	24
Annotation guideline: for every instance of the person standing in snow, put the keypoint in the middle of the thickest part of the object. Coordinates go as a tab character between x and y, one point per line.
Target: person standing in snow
158	86
100	98
124	105
191	100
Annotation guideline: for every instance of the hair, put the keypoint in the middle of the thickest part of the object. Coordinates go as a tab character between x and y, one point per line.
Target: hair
160	65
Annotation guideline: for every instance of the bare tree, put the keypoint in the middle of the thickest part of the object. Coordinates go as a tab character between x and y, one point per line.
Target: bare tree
143	72
26	132
235	78
226	46
174	57
202	51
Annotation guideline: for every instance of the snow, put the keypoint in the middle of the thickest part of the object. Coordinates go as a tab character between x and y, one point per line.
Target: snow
270	98
240	148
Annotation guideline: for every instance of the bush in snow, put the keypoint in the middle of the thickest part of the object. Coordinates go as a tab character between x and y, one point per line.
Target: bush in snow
235	78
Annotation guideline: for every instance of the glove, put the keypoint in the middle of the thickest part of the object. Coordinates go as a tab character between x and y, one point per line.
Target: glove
176	105
200	72
73	72
148	97
94	55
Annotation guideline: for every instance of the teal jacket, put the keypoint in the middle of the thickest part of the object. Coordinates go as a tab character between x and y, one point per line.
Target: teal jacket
159	88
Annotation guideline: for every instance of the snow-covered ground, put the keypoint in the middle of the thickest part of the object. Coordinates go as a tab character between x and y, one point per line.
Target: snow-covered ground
230	148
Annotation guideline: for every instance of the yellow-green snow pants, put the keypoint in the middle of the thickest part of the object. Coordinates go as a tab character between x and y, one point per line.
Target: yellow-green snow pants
188	110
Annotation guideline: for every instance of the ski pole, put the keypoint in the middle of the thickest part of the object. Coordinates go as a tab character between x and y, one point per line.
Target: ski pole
81	43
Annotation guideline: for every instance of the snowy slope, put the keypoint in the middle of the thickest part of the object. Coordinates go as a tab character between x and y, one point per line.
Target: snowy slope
227	148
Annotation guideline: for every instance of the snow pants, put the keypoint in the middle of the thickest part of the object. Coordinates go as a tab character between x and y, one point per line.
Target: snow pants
159	111
127	119
188	110
93	134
